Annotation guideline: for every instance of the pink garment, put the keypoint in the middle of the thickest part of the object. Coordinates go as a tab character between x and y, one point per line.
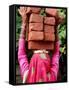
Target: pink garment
40	70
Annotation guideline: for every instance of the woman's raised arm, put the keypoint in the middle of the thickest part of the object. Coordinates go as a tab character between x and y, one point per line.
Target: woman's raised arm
22	57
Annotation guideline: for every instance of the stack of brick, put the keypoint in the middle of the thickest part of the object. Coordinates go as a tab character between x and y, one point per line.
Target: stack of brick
42	30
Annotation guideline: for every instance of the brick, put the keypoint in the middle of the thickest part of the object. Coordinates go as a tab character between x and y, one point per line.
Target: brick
48	28
49	37
49	21
33	35
36	26
40	45
33	10
51	12
36	18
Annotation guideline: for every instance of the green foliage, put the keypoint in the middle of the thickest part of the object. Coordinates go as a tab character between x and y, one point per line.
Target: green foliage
18	26
62	31
42	13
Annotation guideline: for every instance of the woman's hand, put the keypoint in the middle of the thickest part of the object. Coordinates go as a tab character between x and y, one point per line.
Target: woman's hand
23	13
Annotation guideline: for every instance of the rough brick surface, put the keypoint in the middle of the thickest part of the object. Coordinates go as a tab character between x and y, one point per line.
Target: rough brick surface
41	29
33	10
51	12
36	26
36	18
49	20
49	29
33	35
49	37
40	45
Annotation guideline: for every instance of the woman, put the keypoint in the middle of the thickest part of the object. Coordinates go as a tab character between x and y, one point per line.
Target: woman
41	68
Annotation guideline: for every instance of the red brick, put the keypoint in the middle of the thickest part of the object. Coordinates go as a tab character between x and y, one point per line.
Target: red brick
49	20
36	26
51	12
49	37
40	45
33	35
48	28
33	10
36	18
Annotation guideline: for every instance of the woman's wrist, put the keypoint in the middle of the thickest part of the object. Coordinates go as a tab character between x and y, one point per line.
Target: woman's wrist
22	35
23	30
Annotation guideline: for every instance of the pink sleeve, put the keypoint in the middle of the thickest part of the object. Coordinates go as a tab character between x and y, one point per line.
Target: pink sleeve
22	57
55	60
